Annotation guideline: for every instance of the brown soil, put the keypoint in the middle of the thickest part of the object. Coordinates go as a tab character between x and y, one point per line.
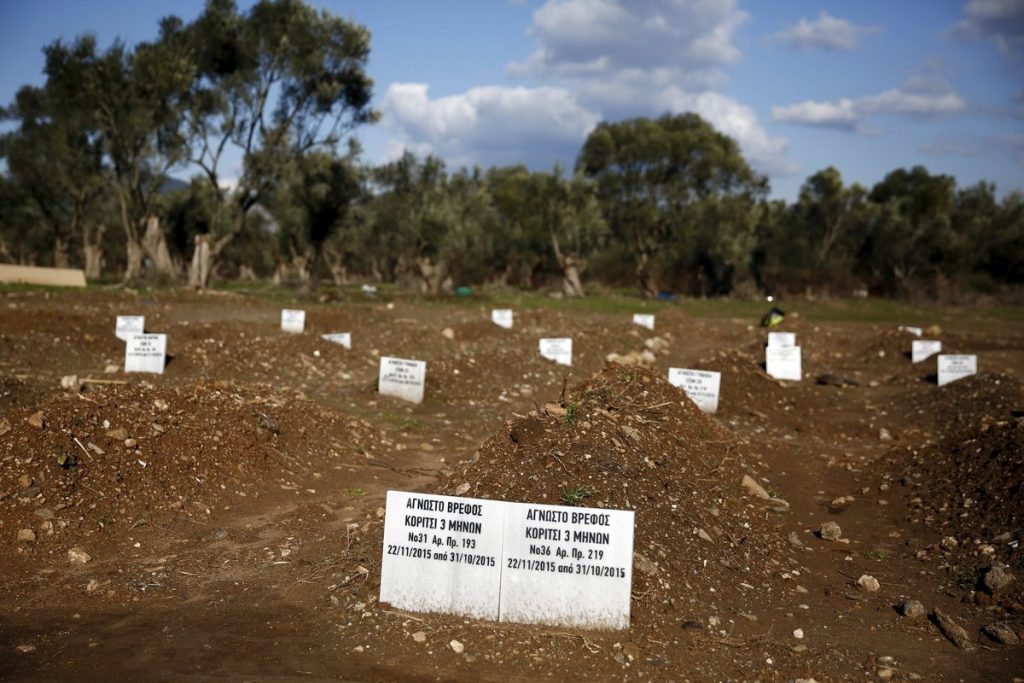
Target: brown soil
248	545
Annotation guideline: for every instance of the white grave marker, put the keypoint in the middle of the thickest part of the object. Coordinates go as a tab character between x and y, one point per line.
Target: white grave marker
128	325
293	321
402	378
783	362
644	320
567	566
145	353
557	349
954	367
442	554
922	350
781	339
701	386
916	331
502	317
342	338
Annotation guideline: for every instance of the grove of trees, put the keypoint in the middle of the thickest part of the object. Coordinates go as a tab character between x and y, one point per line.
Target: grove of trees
90	163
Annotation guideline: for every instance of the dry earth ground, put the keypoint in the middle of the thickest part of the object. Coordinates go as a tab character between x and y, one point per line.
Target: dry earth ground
230	508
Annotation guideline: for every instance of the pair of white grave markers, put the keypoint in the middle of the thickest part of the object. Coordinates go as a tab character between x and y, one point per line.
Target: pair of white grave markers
142	352
951	367
782	356
702	387
509	562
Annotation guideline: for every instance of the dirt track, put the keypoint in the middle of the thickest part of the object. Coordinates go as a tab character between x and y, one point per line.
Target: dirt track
246	547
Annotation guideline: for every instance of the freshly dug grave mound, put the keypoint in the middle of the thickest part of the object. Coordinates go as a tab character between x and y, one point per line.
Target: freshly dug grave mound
964	404
708	554
968	489
888	350
746	388
87	469
626	439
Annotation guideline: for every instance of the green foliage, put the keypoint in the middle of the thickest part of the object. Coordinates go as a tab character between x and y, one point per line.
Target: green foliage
576	496
678	197
571	416
669	203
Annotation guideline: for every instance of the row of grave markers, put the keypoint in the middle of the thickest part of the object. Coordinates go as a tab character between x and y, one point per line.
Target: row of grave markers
406	378
782	357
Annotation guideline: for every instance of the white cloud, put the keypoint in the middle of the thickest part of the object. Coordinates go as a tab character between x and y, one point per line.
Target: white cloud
593	60
591	38
738	121
839	114
998	21
487	125
826	33
921	96
900	101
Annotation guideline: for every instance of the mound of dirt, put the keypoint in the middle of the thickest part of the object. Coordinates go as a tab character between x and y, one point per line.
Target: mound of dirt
746	387
889	349
87	469
706	551
964	404
969	489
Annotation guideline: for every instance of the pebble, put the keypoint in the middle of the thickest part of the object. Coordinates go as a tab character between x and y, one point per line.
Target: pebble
884	434
36	420
912	609
78	556
1001	633
457	647
868	583
462	489
996	578
24	481
420	636
448	333
25	649
798	633
27	535
830	531
131	443
885	673
644	565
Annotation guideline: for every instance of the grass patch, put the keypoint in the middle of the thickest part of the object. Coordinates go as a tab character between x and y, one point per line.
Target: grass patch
576	496
571	412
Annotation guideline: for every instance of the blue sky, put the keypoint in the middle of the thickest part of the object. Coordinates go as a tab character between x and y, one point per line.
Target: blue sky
867	86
